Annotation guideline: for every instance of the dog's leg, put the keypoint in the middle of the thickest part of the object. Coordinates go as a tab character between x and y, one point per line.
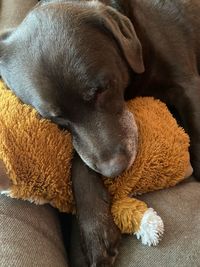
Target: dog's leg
76	255
186	98
100	236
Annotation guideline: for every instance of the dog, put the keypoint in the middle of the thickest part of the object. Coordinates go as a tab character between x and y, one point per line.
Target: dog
76	62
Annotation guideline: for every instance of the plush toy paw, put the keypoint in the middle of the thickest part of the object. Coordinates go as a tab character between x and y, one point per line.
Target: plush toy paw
151	228
132	216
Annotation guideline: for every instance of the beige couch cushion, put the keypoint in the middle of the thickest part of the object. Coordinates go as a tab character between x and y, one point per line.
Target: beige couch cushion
29	235
10	13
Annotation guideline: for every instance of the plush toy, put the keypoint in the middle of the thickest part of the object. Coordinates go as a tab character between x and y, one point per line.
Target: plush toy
37	157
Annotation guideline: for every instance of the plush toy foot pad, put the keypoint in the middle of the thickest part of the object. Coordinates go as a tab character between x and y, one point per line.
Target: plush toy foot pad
151	228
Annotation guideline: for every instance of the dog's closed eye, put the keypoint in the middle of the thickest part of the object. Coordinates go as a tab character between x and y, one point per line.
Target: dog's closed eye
95	93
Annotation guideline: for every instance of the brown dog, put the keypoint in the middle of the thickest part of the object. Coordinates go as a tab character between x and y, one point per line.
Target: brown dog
75	61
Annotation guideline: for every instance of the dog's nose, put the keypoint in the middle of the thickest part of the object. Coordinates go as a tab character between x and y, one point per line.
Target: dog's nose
114	166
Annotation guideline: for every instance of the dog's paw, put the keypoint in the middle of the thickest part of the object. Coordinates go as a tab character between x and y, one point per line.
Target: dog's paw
100	240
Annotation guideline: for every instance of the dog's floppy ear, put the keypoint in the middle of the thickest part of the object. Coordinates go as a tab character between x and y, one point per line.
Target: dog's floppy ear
123	32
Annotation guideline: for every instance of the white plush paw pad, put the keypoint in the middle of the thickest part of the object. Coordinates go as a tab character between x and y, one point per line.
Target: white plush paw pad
151	228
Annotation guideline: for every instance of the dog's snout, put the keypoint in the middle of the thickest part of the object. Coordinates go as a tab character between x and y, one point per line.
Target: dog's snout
110	149
114	166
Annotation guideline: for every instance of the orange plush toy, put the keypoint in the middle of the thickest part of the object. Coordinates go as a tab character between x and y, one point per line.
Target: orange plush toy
37	157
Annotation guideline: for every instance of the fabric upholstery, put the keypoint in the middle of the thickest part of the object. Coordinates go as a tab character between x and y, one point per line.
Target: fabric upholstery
29	235
11	15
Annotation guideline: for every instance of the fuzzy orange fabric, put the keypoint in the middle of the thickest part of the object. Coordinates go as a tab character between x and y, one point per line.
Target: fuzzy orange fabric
37	156
34	153
163	155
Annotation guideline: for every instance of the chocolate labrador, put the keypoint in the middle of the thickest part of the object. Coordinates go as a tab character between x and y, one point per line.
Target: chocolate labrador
77	62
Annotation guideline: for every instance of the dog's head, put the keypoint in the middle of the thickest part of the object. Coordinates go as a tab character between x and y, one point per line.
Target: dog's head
71	61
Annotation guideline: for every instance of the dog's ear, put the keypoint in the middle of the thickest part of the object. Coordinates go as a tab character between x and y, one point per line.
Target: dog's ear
124	33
